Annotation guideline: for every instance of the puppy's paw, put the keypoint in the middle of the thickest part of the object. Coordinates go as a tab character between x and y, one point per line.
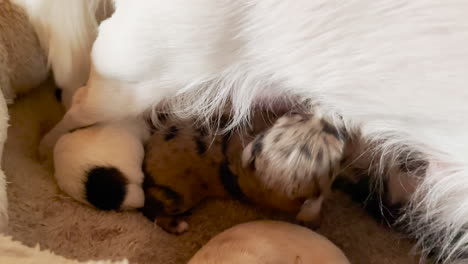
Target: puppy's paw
172	224
310	213
298	156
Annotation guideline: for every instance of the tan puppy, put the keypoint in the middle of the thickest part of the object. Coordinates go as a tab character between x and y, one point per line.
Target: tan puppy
185	165
271	242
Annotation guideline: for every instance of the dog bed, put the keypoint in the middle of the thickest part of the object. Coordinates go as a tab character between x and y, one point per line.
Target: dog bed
41	217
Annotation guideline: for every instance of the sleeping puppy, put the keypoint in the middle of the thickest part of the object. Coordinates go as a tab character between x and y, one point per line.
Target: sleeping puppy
395	69
101	165
185	165
268	242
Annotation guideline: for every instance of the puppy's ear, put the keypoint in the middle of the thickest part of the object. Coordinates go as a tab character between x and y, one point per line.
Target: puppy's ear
105	188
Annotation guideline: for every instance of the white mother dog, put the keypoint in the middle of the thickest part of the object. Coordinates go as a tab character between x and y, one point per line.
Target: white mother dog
397	69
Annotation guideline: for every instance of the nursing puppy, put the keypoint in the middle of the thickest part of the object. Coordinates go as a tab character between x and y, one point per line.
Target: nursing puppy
101	165
396	69
186	165
263	242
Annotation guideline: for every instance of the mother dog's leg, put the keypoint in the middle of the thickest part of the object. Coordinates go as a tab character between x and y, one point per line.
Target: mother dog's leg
101	100
138	59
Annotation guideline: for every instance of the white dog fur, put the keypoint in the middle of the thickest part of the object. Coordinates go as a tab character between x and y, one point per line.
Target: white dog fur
397	69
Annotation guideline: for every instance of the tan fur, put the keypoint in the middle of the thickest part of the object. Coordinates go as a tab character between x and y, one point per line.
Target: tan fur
269	242
172	164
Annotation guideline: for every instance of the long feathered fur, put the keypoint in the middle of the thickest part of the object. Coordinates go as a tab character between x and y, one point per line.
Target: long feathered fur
396	69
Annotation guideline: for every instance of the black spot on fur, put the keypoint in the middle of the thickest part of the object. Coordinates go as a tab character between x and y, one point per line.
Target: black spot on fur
201	146
319	157
306	151
162	117
286	152
257	146
105	188
229	181
171	133
304	118
331	130
277	138
58	94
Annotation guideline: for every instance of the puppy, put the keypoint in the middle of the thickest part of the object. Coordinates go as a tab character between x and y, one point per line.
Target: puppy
263	242
101	165
185	165
397	70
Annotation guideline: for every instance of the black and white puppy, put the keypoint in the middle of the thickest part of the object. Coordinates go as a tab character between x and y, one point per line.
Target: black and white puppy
101	165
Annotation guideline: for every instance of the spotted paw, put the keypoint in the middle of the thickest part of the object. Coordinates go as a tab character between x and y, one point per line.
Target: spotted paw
299	155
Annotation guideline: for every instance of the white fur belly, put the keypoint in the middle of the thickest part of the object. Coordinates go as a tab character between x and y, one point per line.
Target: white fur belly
394	67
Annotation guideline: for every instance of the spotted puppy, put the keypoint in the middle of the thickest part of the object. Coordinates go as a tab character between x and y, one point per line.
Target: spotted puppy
185	165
